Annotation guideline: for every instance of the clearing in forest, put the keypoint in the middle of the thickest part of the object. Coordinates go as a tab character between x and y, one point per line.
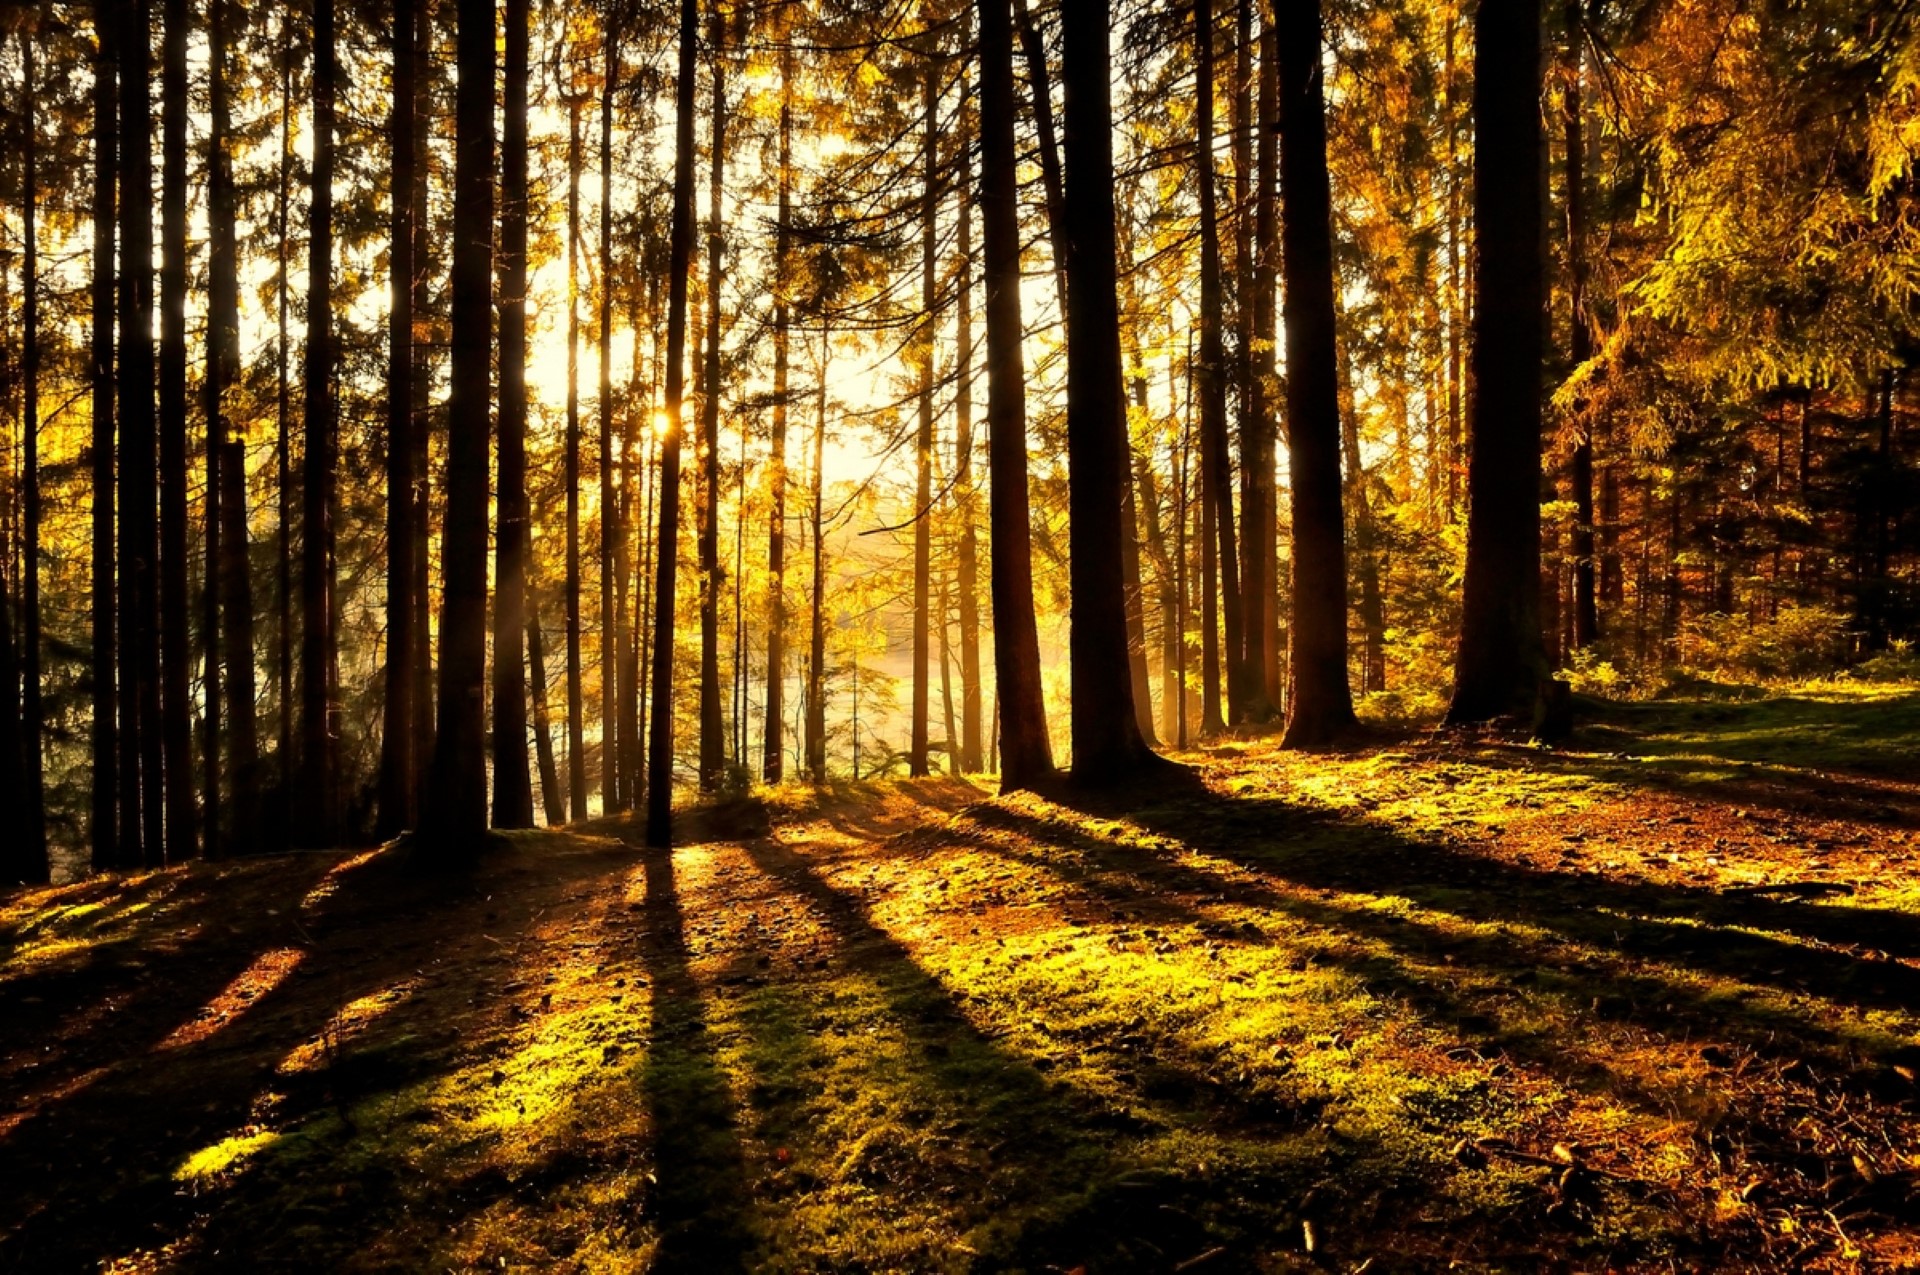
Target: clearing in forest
1646	1001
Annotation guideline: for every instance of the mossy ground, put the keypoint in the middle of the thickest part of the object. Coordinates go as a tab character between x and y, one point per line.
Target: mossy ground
1439	1000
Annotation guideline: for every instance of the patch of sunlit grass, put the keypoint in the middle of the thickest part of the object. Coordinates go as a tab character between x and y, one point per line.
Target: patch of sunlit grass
225	1156
268	971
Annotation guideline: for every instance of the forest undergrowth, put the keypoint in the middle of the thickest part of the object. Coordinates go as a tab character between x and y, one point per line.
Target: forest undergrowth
1646	1001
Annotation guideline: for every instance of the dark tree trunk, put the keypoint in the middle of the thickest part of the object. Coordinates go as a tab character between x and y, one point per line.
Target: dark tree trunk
551	799
817	632
177	710
773	753
1107	746
613	531
1253	321
1366	545
229	595
1040	90
576	691
29	853
424	267
454	816
660	732
315	795
1261	523
712	728
965	494
512	793
104	823
1586	610
398	796
1319	704
141	760
1026	753
1502	662
283	445
1216	466
17	863
923	437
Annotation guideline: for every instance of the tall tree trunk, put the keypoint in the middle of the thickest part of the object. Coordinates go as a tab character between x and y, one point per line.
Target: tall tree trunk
1586	611
773	753
817	632
966	496
512	792
141	760
1366	545
103	832
1319	704
1040	89
315	793
398	805
176	718
946	676
712	728
1216	466
454	817
1107	746
923	437
551	800
680	263
634	468
424	266
1026	752
613	532
283	444
576	693
1261	524
30	852
17	864
1137	674
1502	662
229	594
1248	312
1456	279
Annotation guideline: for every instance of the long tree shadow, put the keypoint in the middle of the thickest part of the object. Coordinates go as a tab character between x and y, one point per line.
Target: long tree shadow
699	1197
97	1165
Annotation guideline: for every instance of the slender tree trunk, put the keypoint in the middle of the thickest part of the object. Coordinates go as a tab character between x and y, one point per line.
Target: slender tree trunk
613	533
965	494
315	794
30	853
946	677
283	447
17	864
229	604
1319	703
1260	579
923	438
141	757
551	800
454	815
817	633
397	798
177	710
1216	466
712	728
1456	279
680	264
576	693
1586	611
104	846
1366	551
1040	89
1107	745
424	264
635	468
1251	307
1026	752
773	754
1502	662
512	793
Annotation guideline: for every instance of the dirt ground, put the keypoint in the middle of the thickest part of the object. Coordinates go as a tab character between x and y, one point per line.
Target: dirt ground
1648	1001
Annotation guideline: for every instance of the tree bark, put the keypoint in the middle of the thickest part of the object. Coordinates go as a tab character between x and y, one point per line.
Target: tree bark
1026	753
30	844
1586	610
923	437
773	753
660	737
177	709
512	792
1261	523
712	727
817	634
966	496
1107	745
454	818
103	837
576	693
398	806
1216	466
551	799
1502	662
315	795
613	531
1319	703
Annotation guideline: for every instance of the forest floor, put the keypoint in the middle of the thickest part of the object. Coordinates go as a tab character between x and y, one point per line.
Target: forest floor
1647	1001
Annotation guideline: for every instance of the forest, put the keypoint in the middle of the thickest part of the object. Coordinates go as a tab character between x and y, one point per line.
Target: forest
1077	635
